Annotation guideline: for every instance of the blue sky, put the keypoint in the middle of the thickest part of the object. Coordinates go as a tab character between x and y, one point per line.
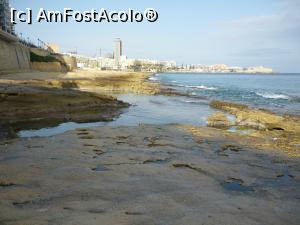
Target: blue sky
238	33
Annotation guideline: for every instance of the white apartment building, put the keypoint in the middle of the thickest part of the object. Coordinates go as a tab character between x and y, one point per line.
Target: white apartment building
5	18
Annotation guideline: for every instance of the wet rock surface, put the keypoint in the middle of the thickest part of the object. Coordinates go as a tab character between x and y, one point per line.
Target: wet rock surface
35	100
36	107
219	120
154	175
278	131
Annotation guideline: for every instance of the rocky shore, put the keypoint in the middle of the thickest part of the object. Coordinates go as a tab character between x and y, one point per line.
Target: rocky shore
35	100
148	174
35	107
86	80
271	130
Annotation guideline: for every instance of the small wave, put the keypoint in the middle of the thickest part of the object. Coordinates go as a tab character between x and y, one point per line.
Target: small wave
189	101
193	102
153	78
202	87
205	88
272	95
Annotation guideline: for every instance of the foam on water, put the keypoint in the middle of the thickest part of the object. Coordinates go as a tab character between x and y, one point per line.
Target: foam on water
271	95
199	87
153	78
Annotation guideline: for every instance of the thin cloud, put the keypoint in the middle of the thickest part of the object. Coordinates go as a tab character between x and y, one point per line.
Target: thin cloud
285	24
263	52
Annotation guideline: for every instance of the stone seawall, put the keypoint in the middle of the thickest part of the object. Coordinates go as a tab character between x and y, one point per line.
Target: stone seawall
70	61
67	62
48	67
13	55
39	51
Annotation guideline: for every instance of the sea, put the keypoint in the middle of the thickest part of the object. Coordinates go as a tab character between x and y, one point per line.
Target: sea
279	93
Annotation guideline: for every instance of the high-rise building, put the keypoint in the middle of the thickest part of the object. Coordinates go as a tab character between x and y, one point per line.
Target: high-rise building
5	17
118	52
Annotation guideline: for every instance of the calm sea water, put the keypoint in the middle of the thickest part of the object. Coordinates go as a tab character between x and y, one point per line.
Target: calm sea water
277	92
280	93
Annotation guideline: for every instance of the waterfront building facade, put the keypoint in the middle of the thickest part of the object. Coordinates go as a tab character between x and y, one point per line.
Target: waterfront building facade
5	17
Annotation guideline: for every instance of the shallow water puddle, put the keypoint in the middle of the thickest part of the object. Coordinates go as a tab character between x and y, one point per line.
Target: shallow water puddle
239	131
100	168
234	184
284	178
144	110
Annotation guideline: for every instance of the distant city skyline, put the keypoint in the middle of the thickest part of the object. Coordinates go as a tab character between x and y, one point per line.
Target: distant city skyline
238	33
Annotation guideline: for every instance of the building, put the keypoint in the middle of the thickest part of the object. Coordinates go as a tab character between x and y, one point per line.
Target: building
259	69
118	52
120	62
5	17
221	68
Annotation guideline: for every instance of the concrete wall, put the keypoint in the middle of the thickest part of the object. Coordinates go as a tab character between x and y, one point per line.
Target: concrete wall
13	55
70	61
40	52
48	67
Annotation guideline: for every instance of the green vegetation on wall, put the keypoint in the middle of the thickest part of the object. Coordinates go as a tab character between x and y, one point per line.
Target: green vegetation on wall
50	58
37	58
